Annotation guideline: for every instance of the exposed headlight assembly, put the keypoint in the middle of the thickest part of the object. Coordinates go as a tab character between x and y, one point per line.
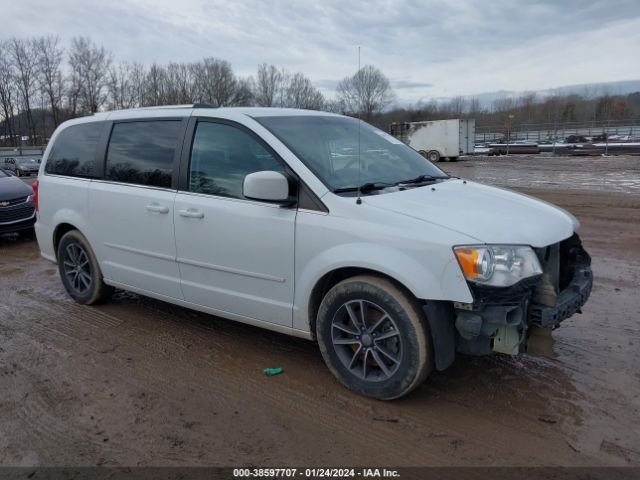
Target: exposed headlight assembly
497	265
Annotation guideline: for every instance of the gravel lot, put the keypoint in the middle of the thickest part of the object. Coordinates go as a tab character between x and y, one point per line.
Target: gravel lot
141	382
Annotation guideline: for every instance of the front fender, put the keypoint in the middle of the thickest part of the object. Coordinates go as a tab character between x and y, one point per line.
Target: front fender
438	279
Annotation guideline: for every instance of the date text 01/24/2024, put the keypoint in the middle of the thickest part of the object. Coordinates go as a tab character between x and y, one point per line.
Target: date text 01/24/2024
315	473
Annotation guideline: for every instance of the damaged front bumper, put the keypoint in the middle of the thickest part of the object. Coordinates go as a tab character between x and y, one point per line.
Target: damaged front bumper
500	319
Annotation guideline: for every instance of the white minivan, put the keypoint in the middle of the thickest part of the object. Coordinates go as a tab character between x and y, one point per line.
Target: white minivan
311	224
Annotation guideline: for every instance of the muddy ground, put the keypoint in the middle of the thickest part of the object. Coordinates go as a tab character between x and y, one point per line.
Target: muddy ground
141	382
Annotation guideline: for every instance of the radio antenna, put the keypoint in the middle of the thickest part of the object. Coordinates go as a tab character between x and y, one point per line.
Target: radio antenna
359	93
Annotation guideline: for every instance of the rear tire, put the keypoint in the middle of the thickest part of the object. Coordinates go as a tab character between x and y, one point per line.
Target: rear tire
433	156
384	354
80	271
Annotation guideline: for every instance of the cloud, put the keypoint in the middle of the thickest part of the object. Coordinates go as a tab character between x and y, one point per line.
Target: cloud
427	48
409	85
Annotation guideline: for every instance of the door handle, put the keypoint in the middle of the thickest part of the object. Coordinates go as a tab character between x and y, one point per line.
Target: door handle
155	208
191	213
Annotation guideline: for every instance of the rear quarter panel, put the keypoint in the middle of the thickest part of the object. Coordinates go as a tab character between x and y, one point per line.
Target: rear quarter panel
61	200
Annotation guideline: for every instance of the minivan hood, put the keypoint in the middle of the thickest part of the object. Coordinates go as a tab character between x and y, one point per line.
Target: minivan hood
488	214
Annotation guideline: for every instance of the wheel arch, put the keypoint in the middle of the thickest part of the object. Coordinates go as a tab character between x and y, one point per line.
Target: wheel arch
58	233
330	279
438	279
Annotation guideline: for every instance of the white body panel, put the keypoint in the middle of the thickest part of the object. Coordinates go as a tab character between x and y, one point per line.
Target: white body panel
67	202
236	257
132	235
450	138
257	262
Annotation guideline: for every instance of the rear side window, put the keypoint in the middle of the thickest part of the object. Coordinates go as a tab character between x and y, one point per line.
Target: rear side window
142	153
74	151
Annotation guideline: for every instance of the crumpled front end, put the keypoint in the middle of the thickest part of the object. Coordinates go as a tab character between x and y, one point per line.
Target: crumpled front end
500	319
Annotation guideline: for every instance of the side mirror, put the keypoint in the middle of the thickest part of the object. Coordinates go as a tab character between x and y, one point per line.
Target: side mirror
267	186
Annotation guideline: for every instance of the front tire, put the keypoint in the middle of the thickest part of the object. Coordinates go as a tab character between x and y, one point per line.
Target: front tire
374	338
79	270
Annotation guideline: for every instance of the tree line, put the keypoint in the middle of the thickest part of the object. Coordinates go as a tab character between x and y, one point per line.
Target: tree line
526	110
42	84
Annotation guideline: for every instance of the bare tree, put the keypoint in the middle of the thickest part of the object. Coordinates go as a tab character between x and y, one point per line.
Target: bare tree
120	88
179	84
457	106
7	94
367	92
155	86
215	82
137	78
300	93
89	67
474	106
604	107
49	60
334	106
269	86
526	103
73	91
243	96
25	58
503	104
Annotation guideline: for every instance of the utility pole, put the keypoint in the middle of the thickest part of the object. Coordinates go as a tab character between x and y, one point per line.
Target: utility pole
606	138
509	131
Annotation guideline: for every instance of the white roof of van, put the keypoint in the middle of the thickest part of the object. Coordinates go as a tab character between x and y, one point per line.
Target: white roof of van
239	114
223	111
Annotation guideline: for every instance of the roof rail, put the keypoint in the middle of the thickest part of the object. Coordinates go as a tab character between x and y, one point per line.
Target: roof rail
204	105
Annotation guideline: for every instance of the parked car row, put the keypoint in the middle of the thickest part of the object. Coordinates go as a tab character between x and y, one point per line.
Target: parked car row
20	166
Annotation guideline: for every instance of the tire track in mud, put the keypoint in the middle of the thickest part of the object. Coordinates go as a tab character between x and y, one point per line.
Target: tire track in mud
318	406
40	412
73	326
226	391
72	321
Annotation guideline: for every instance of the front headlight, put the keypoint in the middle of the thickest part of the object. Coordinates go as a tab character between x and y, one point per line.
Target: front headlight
497	265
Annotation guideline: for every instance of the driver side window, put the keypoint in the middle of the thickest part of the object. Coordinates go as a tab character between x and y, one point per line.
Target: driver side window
221	156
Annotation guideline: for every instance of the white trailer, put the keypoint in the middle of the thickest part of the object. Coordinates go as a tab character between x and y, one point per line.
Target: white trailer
438	139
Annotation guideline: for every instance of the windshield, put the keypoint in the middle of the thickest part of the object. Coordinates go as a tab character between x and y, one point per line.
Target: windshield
2	174
329	147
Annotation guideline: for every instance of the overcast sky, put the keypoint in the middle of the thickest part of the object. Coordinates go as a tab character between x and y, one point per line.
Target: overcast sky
427	49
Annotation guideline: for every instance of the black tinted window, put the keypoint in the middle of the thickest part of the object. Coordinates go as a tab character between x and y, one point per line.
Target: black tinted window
143	152
74	151
222	156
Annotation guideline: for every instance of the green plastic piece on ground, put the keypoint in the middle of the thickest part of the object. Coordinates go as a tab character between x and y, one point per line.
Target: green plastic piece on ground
269	372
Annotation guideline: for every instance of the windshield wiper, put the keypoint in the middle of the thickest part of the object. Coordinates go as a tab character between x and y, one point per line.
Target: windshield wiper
423	178
371	186
365	187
